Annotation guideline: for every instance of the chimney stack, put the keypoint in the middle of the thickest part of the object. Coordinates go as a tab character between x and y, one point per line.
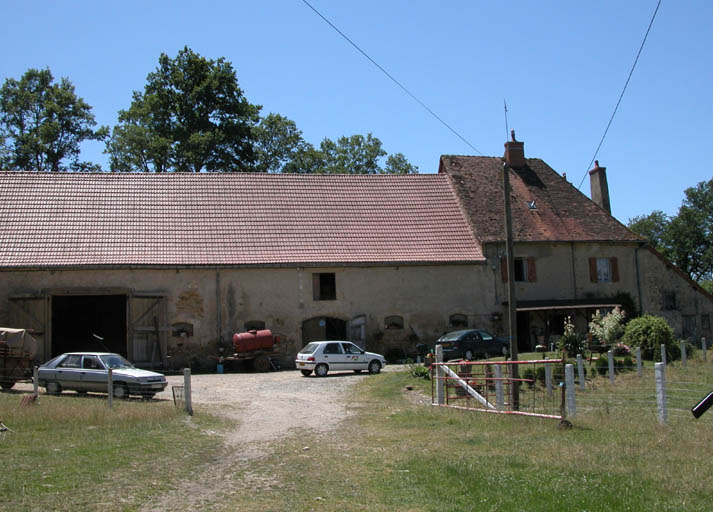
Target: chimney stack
515	153
599	187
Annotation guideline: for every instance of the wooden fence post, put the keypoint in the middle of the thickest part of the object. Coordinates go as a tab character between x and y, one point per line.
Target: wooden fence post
110	388
683	353
580	371
569	386
639	370
187	390
35	381
661	392
499	399
440	395
610	356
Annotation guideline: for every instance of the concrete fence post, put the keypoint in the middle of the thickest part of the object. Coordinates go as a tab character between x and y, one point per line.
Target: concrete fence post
110	388
661	392
187	390
548	378
703	348
35	381
639	369
499	399
663	354
569	386
610	356
580	372
683	353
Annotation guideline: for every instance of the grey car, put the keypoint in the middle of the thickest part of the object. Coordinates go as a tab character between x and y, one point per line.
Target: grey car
88	371
471	343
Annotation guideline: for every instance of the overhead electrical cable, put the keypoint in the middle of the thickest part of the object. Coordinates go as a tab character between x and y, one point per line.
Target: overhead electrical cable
392	78
622	93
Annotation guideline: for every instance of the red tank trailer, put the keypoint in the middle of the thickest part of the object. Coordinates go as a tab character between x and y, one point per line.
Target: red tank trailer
257	348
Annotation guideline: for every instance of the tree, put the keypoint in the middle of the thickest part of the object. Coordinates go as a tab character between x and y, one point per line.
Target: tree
42	124
191	116
653	227
278	141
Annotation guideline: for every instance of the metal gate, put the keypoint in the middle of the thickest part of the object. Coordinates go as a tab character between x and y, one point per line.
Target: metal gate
148	332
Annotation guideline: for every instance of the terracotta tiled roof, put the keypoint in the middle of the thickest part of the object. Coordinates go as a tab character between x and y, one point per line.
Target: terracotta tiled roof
562	212
68	220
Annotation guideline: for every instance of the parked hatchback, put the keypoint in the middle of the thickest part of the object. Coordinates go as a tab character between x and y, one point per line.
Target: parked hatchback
89	371
325	356
471	344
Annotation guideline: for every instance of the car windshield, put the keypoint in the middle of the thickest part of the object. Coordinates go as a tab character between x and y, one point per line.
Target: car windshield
486	335
452	336
310	348
115	361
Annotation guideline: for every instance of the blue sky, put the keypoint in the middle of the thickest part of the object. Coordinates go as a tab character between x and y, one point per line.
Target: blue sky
560	65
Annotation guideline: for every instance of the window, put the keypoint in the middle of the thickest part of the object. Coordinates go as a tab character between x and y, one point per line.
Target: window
91	363
394	322
525	269
73	361
705	323
603	270
350	348
332	348
668	301
254	325
324	286
457	321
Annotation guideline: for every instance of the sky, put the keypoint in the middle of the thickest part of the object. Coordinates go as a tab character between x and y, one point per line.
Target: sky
560	66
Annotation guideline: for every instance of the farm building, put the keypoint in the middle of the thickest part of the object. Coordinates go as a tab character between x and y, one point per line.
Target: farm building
164	268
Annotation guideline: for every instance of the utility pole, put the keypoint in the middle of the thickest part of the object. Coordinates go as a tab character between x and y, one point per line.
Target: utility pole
512	301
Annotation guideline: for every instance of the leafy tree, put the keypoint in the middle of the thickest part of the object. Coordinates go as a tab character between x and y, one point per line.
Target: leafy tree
707	285
191	116
42	124
278	141
652	227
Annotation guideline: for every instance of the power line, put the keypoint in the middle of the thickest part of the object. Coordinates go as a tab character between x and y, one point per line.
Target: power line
622	92
391	77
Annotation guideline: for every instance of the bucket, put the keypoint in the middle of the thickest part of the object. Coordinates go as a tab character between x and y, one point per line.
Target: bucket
219	368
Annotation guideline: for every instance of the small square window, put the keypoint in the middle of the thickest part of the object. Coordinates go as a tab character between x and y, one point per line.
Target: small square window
324	286
520	269
394	322
604	274
458	321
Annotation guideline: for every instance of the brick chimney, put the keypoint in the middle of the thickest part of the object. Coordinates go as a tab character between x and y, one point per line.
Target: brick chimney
599	187
515	153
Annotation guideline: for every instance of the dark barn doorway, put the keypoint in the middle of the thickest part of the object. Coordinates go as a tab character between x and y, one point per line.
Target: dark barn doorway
77	320
323	328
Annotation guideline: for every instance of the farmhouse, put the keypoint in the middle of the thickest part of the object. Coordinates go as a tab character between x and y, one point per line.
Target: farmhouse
164	268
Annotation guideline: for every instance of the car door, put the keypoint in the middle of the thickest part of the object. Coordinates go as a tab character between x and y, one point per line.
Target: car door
68	372
489	343
94	375
334	356
356	358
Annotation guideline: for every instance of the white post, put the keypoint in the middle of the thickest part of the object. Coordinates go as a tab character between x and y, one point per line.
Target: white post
548	378
661	392
35	381
610	356
499	399
580	372
639	369
569	386
110	387
187	390
683	353
663	354
440	395
703	348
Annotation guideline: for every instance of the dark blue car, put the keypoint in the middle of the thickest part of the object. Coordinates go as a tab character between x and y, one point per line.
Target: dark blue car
472	344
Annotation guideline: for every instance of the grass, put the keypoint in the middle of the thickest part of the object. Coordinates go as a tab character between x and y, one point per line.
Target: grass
395	455
73	453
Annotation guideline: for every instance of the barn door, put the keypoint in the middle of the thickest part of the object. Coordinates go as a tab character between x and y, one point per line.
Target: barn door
357	330
147	330
30	313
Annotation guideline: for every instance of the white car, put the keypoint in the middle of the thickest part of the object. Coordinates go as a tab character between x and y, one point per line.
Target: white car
324	356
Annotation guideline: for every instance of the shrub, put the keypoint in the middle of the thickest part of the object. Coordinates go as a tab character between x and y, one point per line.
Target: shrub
602	365
570	342
419	371
608	329
540	375
621	349
650	332
529	374
626	364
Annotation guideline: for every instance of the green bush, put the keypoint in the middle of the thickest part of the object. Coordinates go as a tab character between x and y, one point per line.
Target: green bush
626	364
602	365
649	333
571	342
419	371
529	374
540	375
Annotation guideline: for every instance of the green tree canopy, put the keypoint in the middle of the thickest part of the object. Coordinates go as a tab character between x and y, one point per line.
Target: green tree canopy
42	124
191	116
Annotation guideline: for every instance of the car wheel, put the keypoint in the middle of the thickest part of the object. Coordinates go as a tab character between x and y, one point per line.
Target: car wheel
468	355
306	373
7	385
357	371
504	350
321	370
53	388
121	391
374	367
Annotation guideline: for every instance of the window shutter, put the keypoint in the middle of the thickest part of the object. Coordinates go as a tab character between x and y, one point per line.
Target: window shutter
504	268
531	269
593	270
315	287
614	270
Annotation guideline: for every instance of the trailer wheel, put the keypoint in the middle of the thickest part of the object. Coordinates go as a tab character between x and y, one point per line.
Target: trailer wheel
7	385
261	364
